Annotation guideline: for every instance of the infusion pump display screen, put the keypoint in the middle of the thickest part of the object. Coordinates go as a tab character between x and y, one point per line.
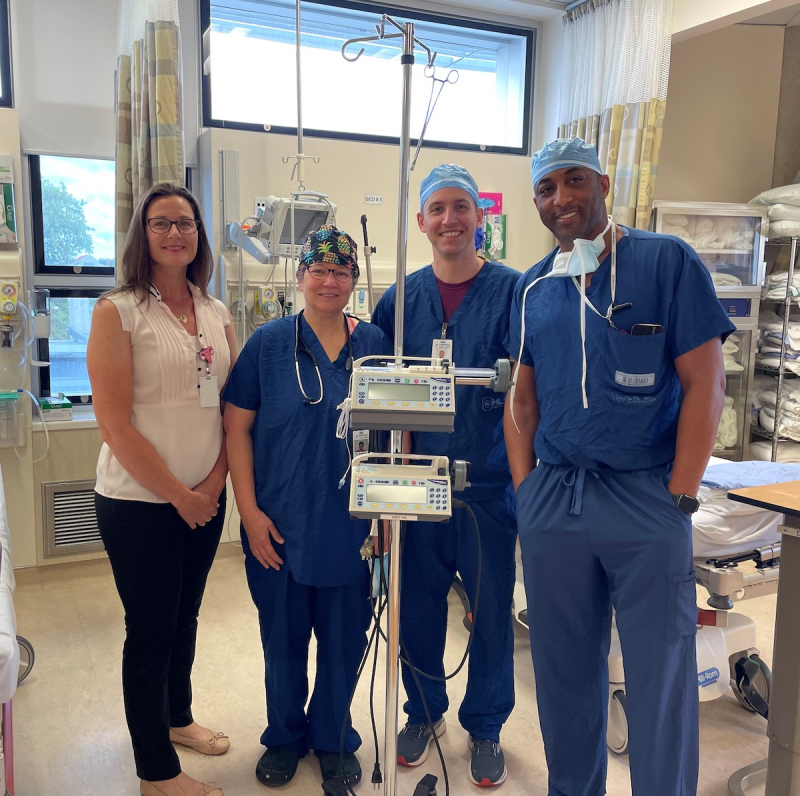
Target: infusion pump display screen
384	493
399	392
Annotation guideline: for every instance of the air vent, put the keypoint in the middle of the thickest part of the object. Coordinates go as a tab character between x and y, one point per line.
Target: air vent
70	522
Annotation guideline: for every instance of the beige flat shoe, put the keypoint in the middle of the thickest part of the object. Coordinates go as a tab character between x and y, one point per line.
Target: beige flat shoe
217	744
208	789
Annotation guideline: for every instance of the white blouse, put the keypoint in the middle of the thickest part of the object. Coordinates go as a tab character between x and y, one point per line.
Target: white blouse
166	391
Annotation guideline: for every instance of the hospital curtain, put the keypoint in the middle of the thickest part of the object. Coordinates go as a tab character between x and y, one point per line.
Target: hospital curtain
614	92
149	146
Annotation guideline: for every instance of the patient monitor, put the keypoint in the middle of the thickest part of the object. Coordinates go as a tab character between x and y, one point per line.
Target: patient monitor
311	211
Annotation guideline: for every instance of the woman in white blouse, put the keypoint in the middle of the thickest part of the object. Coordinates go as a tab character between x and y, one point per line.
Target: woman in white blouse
159	353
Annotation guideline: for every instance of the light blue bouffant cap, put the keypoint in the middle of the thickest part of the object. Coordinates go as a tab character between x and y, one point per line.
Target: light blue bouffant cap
448	175
563	154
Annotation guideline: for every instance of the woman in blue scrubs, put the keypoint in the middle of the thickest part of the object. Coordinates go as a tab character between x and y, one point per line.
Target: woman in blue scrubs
301	548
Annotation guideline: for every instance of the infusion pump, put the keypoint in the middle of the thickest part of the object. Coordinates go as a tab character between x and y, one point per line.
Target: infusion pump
413	491
406	398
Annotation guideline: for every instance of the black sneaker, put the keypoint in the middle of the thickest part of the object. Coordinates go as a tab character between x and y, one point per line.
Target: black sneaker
331	766
277	766
414	741
487	766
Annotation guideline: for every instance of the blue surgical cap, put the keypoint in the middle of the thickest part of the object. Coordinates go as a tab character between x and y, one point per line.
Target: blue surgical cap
563	154
448	175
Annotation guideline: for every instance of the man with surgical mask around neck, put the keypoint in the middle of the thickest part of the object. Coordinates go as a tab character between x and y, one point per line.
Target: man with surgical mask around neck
458	306
619	391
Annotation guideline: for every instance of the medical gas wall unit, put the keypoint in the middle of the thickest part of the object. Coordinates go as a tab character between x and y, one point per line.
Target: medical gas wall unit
729	239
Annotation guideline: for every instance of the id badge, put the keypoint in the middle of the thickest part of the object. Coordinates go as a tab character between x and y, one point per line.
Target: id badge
360	441
442	350
209	391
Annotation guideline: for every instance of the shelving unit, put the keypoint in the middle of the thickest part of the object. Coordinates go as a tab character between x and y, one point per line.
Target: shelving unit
780	370
737	271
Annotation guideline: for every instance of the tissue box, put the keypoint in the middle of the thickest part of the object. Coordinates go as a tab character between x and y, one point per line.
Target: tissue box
56	407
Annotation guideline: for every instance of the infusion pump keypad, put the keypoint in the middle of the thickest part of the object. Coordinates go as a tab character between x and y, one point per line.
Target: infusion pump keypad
412	392
412	495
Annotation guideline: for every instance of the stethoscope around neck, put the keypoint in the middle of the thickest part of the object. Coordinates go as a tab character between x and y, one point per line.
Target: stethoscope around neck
300	346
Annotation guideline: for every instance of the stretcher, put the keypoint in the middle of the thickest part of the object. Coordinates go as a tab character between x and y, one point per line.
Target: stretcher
9	651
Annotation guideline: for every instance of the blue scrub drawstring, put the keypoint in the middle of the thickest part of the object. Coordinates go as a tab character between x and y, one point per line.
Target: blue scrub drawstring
575	477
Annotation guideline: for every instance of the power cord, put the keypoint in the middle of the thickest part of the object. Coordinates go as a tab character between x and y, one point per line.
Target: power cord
341	786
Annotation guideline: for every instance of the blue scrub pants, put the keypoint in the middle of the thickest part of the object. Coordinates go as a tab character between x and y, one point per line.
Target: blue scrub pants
592	540
288	612
432	554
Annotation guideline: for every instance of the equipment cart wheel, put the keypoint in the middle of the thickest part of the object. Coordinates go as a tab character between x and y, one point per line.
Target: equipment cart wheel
26	658
617	729
752	685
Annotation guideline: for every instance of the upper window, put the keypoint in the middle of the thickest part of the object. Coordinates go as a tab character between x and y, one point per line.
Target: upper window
6	98
72	204
250	81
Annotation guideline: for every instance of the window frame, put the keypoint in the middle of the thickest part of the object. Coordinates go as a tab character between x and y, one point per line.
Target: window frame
43	344
40	268
529	34
6	80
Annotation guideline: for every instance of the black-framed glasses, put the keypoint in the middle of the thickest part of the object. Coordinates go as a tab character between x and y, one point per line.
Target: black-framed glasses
320	273
186	226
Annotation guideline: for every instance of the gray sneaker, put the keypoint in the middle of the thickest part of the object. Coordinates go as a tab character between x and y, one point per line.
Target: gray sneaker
414	741
487	765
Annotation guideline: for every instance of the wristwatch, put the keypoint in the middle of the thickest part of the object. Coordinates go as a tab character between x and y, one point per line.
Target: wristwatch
686	503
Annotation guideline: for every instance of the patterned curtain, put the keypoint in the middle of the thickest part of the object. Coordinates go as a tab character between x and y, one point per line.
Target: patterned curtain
149	146
614	94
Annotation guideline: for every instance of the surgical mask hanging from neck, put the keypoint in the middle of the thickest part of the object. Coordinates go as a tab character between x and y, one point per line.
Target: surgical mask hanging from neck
582	259
584	262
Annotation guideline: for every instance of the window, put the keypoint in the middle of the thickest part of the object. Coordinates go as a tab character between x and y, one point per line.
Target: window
70	319
73	210
249	80
6	97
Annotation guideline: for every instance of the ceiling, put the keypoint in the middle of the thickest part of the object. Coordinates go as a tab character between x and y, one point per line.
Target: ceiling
786	17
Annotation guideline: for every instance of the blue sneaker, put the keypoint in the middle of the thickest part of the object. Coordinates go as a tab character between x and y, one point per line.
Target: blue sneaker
487	765
414	742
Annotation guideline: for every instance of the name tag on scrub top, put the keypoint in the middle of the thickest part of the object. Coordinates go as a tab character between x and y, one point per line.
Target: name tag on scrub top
209	392
442	349
635	379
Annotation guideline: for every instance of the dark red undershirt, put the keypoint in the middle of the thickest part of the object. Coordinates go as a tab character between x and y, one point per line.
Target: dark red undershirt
452	295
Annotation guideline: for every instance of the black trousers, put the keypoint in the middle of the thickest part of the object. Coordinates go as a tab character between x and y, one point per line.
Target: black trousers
160	568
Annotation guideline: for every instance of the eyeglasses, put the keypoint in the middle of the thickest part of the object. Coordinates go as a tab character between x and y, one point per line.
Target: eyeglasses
339	274
186	226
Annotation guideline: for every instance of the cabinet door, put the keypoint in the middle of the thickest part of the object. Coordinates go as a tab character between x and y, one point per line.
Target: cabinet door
728	245
735	421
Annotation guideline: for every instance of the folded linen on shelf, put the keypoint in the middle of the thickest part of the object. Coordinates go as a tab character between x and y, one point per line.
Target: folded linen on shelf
787	451
772	323
784	229
785	194
728	429
790	397
782	212
788	425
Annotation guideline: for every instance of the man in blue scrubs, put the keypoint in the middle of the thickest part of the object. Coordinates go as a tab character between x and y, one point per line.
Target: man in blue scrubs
459	304
619	392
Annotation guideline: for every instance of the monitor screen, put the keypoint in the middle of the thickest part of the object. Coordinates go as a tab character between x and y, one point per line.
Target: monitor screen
398	392
306	220
384	493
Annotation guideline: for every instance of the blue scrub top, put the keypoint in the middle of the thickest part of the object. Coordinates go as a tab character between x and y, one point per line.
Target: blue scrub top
298	460
633	389
479	330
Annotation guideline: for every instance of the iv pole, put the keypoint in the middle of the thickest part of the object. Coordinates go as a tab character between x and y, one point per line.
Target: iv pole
393	597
